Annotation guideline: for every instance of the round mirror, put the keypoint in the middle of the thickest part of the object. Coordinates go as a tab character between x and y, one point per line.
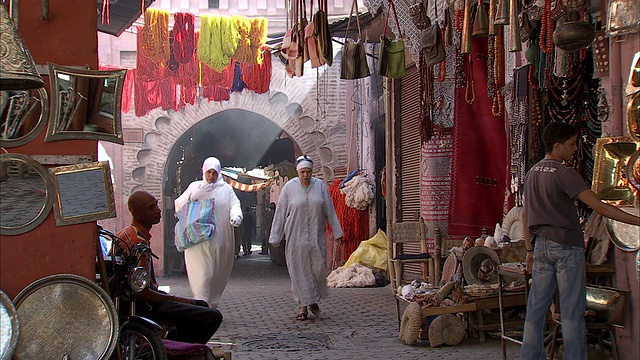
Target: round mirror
26	194
23	114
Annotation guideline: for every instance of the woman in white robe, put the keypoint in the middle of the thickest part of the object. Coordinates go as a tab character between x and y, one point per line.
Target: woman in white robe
209	263
304	207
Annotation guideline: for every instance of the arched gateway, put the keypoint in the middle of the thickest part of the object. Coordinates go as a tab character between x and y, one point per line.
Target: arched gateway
318	128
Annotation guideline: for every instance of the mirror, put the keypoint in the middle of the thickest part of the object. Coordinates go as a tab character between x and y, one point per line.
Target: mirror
26	194
23	114
85	104
84	193
610	178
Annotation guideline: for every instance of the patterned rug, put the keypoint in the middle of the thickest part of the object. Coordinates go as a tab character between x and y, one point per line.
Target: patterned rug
478	167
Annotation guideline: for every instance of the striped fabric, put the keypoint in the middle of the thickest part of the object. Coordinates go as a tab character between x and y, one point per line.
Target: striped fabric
245	187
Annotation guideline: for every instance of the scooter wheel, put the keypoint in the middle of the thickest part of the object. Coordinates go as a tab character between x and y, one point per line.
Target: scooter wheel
140	343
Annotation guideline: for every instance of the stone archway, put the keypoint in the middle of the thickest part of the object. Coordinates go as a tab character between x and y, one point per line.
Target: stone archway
292	104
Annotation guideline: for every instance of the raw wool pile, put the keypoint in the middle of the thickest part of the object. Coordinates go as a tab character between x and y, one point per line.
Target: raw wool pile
355	275
358	192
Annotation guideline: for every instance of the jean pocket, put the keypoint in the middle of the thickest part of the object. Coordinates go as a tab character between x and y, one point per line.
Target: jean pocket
568	257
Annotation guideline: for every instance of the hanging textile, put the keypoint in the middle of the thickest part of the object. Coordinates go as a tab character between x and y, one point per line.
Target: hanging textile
218	40
257	77
214	83
148	68
252	36
354	222
155	35
246	187
478	166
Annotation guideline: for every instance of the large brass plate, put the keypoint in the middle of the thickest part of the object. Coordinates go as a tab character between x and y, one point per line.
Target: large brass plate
65	316
625	236
610	180
9	327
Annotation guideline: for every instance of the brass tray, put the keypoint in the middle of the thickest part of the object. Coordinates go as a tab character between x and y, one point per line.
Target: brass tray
625	236
9	327
65	316
610	180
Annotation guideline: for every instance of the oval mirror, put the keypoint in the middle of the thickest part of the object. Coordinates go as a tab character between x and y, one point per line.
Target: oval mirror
23	114
26	194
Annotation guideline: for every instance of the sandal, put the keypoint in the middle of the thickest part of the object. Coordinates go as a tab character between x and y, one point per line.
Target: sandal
302	316
315	309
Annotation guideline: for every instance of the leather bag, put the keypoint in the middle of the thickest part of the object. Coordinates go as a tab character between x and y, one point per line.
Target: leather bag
322	33
431	45
392	55
354	58
312	43
418	12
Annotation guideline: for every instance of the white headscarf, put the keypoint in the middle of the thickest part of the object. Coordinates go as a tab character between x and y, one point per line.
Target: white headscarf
303	162
212	163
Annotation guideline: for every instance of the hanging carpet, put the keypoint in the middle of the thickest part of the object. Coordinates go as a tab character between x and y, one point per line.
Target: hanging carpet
478	168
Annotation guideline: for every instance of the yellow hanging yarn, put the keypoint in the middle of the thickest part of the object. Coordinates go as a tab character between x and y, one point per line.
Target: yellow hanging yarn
218	41
258	38
243	52
229	36
155	35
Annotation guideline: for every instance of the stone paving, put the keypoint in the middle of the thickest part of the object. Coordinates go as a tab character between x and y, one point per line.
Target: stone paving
259	321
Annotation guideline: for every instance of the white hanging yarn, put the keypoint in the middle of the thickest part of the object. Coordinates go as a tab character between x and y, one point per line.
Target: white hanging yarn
358	192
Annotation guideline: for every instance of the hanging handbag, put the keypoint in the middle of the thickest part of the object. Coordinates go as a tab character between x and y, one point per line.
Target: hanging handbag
196	224
392	57
322	33
312	43
354	58
418	12
431	42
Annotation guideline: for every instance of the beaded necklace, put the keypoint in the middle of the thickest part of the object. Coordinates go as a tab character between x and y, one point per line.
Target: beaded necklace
470	91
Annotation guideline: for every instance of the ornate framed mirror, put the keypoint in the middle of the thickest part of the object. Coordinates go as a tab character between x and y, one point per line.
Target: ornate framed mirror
23	114
26	194
85	104
610	178
84	193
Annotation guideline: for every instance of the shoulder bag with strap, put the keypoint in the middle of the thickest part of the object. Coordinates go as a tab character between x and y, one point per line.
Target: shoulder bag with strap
354	58
392	58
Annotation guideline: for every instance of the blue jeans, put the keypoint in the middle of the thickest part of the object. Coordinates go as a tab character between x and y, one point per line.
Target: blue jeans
561	267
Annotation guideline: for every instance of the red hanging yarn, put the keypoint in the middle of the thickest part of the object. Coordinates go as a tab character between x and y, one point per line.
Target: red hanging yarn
184	37
354	222
148	70
127	86
257	77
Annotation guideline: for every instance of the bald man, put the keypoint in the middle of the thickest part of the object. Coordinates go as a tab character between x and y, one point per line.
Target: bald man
195	322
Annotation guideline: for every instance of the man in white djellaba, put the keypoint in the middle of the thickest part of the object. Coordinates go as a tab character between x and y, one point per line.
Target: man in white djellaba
209	263
304	207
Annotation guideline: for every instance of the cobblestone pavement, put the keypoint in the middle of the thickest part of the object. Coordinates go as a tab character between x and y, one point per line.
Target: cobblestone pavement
259	321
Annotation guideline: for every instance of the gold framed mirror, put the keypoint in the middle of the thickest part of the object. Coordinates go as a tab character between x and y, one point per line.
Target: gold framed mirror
610	179
26	194
84	193
23	115
85	104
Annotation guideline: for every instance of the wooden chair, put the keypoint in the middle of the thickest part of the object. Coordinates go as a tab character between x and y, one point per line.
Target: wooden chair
408	258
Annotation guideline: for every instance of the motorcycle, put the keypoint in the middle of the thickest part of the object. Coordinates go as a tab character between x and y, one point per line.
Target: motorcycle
140	338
